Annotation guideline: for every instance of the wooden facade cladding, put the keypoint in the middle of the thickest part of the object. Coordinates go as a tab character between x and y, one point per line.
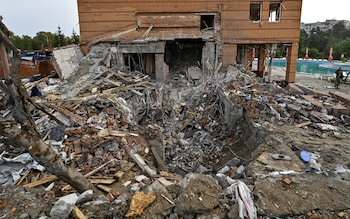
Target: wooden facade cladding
163	20
100	17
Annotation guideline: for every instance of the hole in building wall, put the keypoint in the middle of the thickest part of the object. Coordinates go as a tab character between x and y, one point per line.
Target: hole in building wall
182	54
142	62
207	22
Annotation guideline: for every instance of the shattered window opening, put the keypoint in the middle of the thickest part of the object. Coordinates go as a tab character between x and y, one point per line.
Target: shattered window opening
144	63
255	11
207	22
275	12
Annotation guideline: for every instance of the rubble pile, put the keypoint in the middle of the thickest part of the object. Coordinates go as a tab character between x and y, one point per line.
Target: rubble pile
213	149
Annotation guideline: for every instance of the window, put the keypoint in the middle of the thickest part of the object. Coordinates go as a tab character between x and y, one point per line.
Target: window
207	22
275	12
255	11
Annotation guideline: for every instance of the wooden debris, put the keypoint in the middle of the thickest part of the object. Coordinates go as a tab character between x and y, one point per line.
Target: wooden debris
165	182
294	88
166	198
41	182
187	122
74	117
77	213
102	181
119	175
158	158
22	178
105	188
312	100
140	161
97	169
341	96
300	125
121	133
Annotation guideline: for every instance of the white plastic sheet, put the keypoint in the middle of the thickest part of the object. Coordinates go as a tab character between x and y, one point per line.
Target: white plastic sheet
11	169
243	197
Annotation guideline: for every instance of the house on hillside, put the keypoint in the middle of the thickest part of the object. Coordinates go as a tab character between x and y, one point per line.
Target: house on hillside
165	36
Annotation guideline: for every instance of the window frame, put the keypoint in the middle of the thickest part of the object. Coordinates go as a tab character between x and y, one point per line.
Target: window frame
277	10
255	17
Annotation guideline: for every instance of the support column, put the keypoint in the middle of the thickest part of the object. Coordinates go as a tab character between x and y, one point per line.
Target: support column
261	61
292	63
162	69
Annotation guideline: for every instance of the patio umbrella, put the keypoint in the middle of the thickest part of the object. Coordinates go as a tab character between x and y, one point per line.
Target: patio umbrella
330	57
306	53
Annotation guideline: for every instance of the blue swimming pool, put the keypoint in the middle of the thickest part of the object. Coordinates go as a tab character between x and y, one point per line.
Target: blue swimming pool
307	66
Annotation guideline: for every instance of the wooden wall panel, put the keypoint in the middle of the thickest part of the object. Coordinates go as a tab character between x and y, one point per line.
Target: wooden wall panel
106	16
237	25
171	20
101	17
273	34
149	6
105	26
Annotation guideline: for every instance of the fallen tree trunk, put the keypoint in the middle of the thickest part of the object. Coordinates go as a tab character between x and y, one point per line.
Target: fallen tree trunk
22	132
26	137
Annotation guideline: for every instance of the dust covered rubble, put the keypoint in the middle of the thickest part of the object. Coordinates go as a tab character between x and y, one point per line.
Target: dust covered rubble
197	145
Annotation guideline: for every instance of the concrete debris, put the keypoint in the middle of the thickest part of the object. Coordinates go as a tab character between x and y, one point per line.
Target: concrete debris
227	145
66	59
63	206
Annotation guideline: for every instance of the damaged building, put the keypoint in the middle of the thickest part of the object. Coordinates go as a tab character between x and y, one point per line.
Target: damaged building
161	38
133	113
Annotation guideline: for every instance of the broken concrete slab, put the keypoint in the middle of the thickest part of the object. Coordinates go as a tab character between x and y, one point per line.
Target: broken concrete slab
201	194
66	59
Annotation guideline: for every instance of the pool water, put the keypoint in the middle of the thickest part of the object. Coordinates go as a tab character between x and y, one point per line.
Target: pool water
306	66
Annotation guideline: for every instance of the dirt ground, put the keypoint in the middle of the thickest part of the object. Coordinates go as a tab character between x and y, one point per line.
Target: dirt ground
316	82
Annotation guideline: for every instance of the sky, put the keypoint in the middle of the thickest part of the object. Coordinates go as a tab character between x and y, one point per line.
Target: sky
24	17
27	17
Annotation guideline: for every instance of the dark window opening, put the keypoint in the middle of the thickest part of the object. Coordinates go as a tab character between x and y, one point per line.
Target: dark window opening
207	21
144	62
255	11
182	54
275	12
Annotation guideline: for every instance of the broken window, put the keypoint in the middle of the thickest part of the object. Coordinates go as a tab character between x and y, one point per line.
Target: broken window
207	22
142	62
275	11
255	11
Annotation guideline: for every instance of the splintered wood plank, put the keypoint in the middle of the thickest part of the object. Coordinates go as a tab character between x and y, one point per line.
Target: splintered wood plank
102	181
41	182
312	100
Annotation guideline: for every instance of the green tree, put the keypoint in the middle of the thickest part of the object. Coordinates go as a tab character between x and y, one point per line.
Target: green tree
27	43
342	49
40	40
17	41
75	39
315	53
59	38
